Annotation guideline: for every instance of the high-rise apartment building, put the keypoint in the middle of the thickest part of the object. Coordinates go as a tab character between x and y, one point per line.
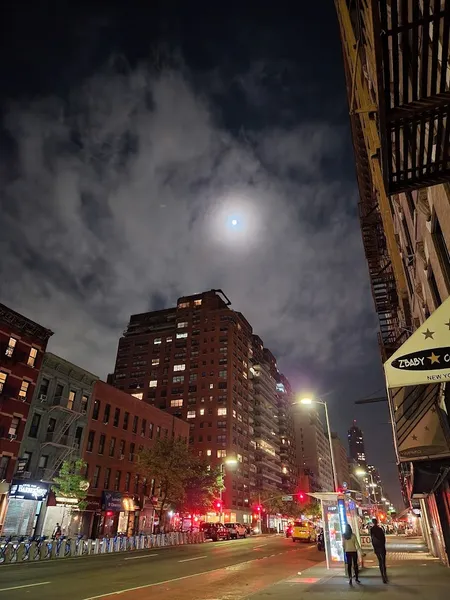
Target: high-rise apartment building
340	461
201	362
313	449
356	447
396	63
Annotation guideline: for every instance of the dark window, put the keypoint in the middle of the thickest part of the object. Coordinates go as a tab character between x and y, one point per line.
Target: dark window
51	425
122	448
117	481
84	402
434	288
158	432
150	431
136	484
106	414
4	464
101	444
135	424
43	390
116	417
127	481
143	427
34	427
442	250
112	446
107	478
126	418
132	450
78	435
59	390
96	410
96	477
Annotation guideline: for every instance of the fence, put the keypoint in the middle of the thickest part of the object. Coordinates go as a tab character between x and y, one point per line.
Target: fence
41	549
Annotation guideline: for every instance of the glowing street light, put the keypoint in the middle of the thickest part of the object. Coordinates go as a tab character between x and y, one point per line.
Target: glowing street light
308	401
228	462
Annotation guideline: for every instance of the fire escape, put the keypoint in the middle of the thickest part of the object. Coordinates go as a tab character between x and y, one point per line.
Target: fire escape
63	444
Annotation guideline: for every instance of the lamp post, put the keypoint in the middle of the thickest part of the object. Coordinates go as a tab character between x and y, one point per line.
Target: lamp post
230	462
308	401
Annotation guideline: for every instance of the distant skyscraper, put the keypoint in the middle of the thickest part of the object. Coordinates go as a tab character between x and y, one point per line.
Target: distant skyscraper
356	445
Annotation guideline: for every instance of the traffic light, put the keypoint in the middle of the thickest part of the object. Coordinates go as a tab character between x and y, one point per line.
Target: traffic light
258	509
218	504
301	497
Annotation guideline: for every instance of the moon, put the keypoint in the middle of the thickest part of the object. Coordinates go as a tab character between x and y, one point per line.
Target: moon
234	222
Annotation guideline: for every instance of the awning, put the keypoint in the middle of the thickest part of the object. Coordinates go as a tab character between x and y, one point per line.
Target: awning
425	356
427	476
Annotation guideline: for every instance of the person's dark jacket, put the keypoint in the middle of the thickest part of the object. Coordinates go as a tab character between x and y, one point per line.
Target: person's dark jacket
378	538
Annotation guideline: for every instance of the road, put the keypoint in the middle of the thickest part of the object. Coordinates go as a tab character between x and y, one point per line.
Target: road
220	570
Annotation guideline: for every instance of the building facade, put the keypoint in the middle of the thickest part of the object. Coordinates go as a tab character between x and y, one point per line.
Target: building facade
121	499
313	449
340	461
289	468
54	433
397	80
356	448
194	361
22	346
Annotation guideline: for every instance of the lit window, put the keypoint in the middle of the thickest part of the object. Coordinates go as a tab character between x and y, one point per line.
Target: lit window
179	367
208	452
234	413
3	377
153	383
157	341
10	347
155	362
245	375
239	457
23	390
221	453
138	395
181	335
223	374
222	411
169	339
202	412
211	386
178	379
197	302
183	305
32	358
182	324
284	470
176	403
191	414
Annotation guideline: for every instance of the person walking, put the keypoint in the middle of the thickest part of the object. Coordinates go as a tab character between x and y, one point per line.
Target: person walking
379	547
351	546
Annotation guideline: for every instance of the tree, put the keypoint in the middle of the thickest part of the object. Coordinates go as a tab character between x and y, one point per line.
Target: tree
70	483
202	487
169	462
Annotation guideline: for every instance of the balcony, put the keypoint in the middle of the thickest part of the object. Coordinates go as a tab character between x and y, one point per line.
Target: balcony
67	404
411	46
61	440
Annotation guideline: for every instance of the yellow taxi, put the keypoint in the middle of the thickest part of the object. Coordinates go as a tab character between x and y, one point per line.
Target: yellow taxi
303	531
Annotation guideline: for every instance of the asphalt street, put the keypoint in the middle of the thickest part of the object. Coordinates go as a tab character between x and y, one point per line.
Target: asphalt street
227	569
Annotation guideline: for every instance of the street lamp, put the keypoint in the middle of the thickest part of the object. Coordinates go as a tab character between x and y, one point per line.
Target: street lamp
227	462
309	401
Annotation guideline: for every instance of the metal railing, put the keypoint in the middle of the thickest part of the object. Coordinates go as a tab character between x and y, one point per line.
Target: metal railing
41	548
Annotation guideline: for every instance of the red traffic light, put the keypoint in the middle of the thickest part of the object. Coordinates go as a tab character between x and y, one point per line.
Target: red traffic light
258	509
218	504
301	496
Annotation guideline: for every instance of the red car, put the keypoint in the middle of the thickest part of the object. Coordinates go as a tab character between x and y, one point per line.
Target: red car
289	529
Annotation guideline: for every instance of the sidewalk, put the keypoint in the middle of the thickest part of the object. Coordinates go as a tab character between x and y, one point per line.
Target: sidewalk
411	575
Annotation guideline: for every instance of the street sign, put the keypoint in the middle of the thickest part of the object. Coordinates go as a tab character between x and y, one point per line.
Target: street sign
287	498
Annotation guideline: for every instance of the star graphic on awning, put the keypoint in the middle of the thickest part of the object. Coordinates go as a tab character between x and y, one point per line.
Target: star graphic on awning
427	428
428	334
433	358
414	437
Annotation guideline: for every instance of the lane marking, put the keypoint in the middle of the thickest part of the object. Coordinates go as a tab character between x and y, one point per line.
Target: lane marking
20	587
194	558
139	557
150	585
262	546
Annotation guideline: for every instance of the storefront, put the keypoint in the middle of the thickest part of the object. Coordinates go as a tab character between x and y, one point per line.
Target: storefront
24	507
119	515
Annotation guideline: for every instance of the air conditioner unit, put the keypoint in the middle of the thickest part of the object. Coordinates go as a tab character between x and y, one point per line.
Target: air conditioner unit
12	437
26	474
42	398
122	456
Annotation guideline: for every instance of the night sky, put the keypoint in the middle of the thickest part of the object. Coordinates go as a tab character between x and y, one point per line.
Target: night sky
131	137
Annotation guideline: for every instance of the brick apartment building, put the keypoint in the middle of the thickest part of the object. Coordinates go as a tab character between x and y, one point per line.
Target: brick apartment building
198	361
120	499
22	345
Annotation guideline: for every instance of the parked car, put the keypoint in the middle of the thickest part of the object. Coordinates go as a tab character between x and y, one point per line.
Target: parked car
236	530
303	531
215	531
